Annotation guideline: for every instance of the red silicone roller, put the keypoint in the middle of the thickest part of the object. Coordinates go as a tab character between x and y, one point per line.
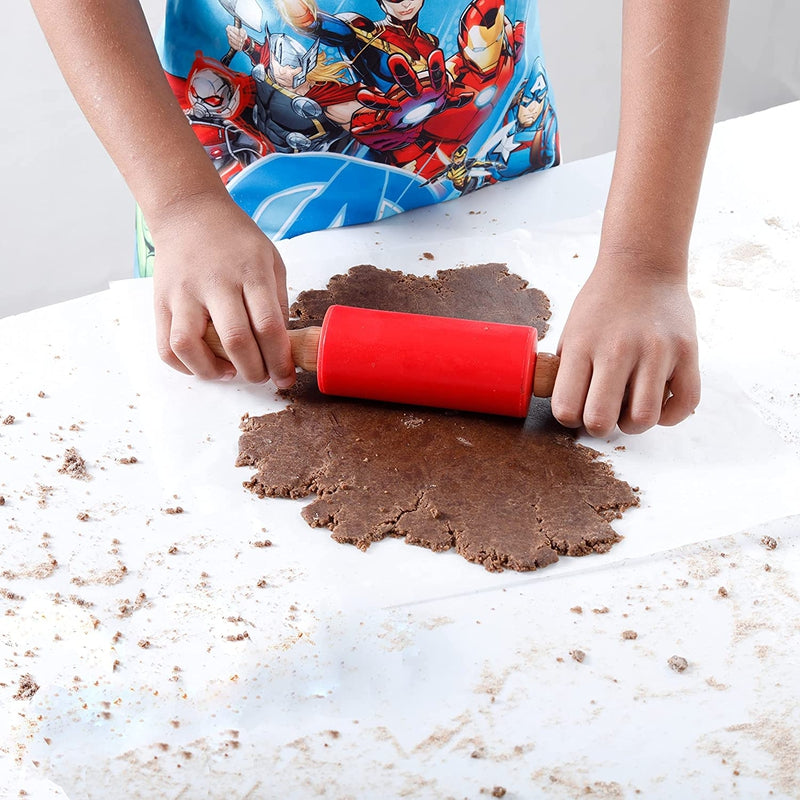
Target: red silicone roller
426	360
422	360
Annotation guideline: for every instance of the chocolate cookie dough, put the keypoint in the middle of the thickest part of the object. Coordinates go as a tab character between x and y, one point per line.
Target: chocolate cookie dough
504	493
485	291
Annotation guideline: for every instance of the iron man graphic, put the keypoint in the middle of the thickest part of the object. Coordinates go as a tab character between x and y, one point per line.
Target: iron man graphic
427	114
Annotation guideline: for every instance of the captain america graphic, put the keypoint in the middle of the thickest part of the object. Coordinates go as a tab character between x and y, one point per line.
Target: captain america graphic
349	111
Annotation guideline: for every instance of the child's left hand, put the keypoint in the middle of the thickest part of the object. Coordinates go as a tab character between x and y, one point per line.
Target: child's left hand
629	336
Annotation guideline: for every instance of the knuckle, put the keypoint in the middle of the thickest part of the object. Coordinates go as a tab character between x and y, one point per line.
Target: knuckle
568	414
268	325
181	342
598	423
166	353
235	339
641	419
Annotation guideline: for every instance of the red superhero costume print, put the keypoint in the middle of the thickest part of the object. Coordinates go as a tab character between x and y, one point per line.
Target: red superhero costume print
426	116
218	103
366	44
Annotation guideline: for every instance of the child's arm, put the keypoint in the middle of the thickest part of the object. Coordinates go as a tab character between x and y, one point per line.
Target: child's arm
631	330
213	262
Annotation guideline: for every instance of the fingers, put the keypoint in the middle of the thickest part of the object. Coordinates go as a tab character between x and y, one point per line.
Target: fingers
684	394
590	393
633	395
180	342
569	392
269	329
643	405
163	319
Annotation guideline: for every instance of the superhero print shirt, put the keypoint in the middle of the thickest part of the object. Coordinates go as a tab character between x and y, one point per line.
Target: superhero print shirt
322	113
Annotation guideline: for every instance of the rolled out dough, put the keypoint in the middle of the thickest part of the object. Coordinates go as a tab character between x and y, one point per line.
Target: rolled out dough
504	493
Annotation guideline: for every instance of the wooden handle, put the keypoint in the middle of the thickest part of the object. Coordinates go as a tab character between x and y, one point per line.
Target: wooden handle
544	374
303	341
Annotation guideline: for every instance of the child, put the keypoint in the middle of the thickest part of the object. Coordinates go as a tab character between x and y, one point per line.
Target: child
391	95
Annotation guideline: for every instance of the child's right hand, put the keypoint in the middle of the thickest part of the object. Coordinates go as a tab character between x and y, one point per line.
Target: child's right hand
213	263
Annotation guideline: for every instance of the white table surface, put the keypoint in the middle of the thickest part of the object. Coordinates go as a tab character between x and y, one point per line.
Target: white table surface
398	672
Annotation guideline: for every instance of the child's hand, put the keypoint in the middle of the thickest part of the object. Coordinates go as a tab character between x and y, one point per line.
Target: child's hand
214	263
630	334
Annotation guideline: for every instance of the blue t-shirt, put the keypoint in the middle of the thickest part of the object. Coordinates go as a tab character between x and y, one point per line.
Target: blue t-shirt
338	112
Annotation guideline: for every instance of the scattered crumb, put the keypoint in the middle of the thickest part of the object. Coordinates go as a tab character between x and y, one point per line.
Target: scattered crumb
41	394
173	510
27	687
144	643
2	500
678	663
263	543
603	610
722	591
577	655
130	460
238	637
428	256
173	550
769	542
630	635
9	420
83	516
576	610
74	466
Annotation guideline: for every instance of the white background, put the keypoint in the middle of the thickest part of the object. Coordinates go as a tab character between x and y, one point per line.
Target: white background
67	218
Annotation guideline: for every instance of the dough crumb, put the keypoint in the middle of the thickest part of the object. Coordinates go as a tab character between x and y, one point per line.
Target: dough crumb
678	663
27	687
9	420
722	591
769	542
576	610
174	510
630	635
578	655
74	466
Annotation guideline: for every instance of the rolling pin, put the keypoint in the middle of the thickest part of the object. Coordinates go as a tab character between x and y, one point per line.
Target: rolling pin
424	360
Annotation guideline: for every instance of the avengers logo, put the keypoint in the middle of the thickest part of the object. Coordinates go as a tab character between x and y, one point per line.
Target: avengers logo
317	191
